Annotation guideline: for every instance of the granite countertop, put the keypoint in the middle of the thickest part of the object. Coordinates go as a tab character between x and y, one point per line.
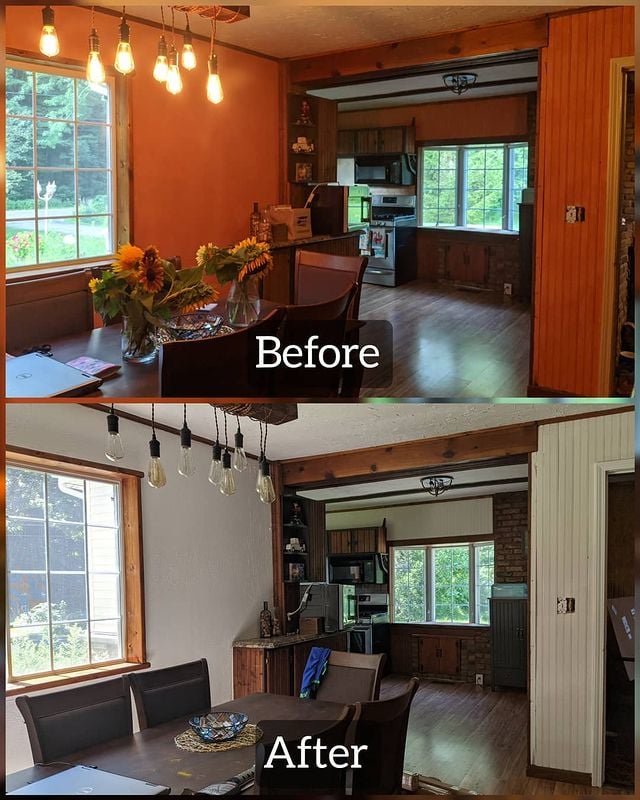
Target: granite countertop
283	641
313	239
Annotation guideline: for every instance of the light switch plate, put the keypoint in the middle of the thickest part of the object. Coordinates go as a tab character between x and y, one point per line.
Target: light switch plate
574	214
566	605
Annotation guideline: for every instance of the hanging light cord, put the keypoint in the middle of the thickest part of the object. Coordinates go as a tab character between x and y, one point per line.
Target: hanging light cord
93	17
112	408
266	433
238	421
261	445
226	438
185	414
162	17
153	420
215	414
213	33
173	27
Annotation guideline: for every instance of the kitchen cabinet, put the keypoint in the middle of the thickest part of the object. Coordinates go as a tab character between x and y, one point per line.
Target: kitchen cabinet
317	122
467	262
346	143
508	642
377	141
439	655
351	541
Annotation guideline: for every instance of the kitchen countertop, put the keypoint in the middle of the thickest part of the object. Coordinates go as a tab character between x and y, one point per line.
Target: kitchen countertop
313	240
283	641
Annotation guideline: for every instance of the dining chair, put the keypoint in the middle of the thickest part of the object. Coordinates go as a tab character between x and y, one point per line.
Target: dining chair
382	727
220	366
164	694
351	678
320	276
40	310
278	779
61	723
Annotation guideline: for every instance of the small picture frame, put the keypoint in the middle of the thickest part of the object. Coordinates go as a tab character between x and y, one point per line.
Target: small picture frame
304	171
296	572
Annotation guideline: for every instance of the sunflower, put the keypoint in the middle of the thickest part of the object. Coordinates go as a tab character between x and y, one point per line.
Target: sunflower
128	258
260	263
151	272
93	285
199	296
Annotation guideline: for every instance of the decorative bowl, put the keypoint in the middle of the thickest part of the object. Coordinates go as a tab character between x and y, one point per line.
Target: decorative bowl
199	325
219	726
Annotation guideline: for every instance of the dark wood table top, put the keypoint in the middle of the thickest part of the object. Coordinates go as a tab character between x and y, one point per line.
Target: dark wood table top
151	755
133	380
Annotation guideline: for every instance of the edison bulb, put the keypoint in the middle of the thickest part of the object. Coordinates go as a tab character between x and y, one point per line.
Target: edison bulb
215	470
174	79
49	44
227	481
188	56
267	493
214	89
259	475
156	476
161	69
95	68
114	449
124	58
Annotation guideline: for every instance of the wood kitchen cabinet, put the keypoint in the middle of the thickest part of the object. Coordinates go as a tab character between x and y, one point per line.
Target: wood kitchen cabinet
508	641
346	143
467	262
351	541
439	655
377	141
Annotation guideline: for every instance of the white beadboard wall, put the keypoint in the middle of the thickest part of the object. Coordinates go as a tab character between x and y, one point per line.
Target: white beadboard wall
563	548
430	520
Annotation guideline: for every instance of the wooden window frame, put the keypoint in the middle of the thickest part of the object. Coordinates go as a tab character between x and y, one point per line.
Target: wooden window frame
134	644
121	170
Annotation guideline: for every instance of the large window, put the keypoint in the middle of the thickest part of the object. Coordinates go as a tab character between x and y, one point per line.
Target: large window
442	583
473	186
67	591
60	167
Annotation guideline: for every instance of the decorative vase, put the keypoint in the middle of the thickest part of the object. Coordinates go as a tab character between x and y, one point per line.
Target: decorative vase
139	343
243	303
266	622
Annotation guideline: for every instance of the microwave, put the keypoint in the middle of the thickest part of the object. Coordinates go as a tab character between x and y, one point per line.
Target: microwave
359	569
397	170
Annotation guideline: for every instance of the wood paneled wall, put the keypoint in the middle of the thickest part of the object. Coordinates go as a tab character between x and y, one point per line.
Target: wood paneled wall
570	283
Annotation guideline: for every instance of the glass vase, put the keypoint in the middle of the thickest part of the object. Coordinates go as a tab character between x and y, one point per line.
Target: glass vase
139	343
243	303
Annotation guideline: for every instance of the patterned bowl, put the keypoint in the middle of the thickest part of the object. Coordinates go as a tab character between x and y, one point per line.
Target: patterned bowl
199	325
219	726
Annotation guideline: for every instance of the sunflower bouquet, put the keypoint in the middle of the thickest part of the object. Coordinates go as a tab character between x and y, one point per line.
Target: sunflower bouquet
147	291
241	265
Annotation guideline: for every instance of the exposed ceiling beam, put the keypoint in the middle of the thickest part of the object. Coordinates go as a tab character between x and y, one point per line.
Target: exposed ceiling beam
509	37
419	491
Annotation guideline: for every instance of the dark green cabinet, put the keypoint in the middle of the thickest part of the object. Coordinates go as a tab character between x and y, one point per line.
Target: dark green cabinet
509	649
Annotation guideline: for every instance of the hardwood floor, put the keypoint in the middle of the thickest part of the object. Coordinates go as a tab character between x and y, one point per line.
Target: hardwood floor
472	737
451	342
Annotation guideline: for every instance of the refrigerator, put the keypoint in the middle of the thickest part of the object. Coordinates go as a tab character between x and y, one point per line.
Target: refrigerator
334	602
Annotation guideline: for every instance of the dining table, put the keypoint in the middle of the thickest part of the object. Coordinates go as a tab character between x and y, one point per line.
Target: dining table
151	755
105	344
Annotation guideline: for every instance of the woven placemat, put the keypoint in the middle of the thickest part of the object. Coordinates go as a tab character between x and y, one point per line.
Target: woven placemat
189	740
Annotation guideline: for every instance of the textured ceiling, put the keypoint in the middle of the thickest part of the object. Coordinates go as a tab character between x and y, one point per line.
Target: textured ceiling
290	31
332	427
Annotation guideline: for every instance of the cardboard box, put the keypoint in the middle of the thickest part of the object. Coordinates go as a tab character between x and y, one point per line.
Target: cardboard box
311	625
297	220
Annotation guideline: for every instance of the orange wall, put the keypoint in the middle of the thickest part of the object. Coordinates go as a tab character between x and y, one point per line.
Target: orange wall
460	119
572	170
197	168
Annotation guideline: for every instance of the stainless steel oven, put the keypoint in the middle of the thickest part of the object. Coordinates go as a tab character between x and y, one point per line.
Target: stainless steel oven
392	236
361	639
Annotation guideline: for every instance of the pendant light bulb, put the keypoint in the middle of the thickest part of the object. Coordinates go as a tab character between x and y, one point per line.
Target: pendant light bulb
214	85
188	53
174	79
266	493
124	55
186	467
95	68
114	449
259	475
228	481
215	470
49	44
156	476
161	68
239	460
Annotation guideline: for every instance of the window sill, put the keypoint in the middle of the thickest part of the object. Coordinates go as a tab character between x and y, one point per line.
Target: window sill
462	229
461	625
72	676
14	274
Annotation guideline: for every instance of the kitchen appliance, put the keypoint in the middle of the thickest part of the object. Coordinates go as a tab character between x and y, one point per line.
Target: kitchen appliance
371	633
336	603
390	170
372	568
393	236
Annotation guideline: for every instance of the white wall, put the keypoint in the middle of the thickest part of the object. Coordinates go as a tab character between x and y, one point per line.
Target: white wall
207	558
565	543
431	520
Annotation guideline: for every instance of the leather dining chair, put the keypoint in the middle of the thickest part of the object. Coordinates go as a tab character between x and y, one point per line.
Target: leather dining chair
60	723
218	367
382	727
352	677
164	694
321	276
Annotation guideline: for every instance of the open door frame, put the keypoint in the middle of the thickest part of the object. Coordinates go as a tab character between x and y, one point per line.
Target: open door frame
602	472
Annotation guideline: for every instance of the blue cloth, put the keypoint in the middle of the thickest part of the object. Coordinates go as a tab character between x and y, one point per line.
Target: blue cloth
314	671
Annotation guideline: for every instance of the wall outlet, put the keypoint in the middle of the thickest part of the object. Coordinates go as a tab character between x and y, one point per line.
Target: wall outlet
479	679
566	605
508	288
574	214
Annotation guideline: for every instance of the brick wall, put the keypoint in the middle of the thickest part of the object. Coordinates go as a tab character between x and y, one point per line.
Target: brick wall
627	211
532	115
510	523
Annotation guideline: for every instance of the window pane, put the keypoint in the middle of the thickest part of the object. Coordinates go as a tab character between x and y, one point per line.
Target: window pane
103	549
54	96
19	144
518	179
57	240
55	144
56	190
20	194
19	92
93	146
25	493
30	651
65	497
105	640
483	182
70	645
409	585
439	182
94	192
484	581
28	599
68	596
96	236
26	545
66	546
21	243
451	583
93	102
104	592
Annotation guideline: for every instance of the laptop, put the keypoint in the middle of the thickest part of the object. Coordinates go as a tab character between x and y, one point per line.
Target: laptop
37	375
87	780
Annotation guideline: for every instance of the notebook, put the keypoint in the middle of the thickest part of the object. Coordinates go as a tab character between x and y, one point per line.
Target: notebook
37	375
86	780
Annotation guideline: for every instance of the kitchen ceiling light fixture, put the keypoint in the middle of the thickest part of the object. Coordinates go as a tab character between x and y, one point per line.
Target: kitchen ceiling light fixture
188	53
174	79
264	485
214	85
124	55
49	44
96	74
186	467
114	449
156	476
436	484
161	67
459	82
228	481
215	470
239	460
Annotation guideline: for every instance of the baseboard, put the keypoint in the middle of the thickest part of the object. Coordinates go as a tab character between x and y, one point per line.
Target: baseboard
533	390
563	775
